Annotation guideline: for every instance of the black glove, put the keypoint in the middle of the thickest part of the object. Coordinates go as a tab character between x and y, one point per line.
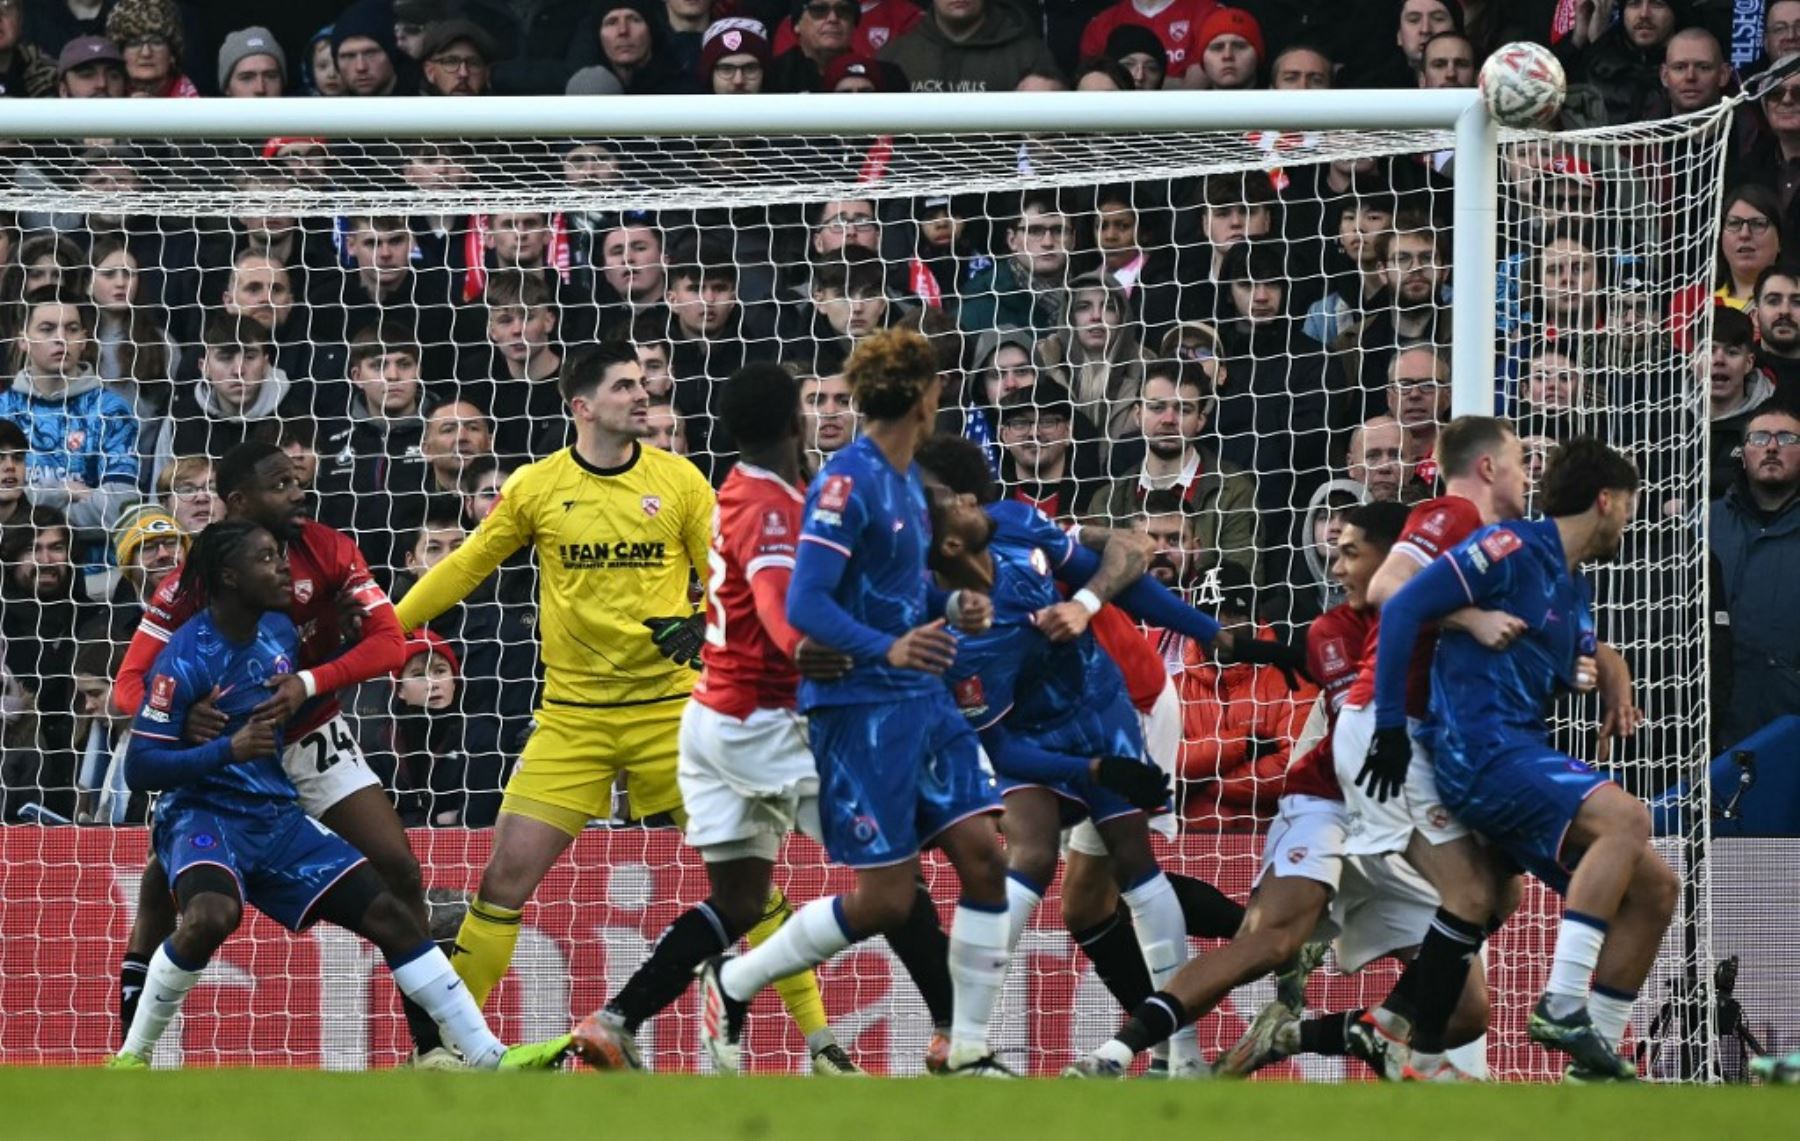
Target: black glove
1144	785
679	639
1383	773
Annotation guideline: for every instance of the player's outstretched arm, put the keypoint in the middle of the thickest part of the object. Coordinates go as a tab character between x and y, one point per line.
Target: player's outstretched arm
1430	595
505	530
1145	599
1123	560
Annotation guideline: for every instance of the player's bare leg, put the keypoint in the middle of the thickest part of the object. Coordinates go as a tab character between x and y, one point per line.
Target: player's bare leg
153	922
1619	881
1282	915
524	851
210	909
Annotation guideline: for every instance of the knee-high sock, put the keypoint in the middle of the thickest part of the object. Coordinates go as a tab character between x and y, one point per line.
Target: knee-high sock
1112	946
1208	912
1611	1011
1470	1058
1578	943
697	934
1162	935
816	932
166	984
484	947
977	970
800	991
1442	969
131	984
1022	899
425	975
924	950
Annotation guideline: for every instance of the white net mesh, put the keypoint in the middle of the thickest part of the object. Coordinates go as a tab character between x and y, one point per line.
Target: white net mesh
395	312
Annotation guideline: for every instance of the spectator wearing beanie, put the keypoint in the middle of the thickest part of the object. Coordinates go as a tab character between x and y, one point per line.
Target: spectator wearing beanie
1174	25
148	32
252	65
633	48
734	58
442	765
368	58
858	74
318	68
971	45
1138	50
1229	52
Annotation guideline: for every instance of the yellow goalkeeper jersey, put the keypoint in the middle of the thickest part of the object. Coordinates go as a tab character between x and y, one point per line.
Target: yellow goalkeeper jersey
615	546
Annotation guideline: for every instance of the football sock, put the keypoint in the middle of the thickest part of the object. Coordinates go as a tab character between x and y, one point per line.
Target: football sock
1578	942
977	970
1611	1011
425	975
1112	946
1470	1058
1155	1020
924	950
799	991
1022	899
815	933
420	1026
167	981
696	935
1162	939
1208	912
1324	1035
131	985
484	947
1449	946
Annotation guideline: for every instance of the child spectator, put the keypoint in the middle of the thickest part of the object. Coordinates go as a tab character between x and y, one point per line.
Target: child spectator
441	763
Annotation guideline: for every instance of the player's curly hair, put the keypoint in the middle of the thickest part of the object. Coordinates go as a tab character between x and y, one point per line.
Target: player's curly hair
959	464
889	371
215	548
1578	471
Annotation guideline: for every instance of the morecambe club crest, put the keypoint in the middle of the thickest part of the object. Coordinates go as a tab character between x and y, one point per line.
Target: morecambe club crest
652	504
303	590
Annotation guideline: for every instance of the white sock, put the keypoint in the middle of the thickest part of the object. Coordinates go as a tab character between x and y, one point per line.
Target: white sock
977	968
1021	902
166	986
1578	942
1611	1012
429	980
1470	1058
1162	937
815	933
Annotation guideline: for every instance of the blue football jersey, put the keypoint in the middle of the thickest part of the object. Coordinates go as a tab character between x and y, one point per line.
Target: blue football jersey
863	510
1011	670
1519	567
196	660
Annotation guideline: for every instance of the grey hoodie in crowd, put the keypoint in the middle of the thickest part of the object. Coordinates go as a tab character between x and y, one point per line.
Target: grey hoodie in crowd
197	426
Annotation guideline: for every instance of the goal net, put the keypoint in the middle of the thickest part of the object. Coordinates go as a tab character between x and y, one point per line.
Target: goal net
1222	337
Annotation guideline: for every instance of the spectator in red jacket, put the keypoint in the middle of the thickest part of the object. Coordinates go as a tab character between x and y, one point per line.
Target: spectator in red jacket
1239	722
1174	21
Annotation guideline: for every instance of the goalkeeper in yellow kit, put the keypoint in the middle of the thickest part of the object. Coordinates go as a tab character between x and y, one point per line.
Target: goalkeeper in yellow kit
619	529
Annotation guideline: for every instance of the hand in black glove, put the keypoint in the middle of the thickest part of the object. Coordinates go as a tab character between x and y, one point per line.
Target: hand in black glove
1144	785
1383	773
679	639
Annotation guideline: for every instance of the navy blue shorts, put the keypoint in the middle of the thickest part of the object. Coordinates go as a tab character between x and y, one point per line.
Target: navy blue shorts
283	860
1522	798
894	776
1114	731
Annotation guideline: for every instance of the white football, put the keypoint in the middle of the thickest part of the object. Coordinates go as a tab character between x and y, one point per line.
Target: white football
1523	85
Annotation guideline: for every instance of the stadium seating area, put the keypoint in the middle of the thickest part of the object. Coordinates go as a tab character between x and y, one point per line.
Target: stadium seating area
1226	362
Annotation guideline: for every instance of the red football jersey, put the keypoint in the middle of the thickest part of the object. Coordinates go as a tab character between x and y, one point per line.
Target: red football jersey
1336	643
1434	527
756	529
1175	26
324	563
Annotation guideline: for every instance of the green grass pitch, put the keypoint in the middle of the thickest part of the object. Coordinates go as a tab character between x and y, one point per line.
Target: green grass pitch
198	1105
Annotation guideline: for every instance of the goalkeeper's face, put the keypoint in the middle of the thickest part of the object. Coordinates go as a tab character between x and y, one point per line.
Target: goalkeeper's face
619	405
273	498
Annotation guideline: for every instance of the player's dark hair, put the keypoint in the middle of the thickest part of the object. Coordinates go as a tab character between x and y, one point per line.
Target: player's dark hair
1380	522
1466	439
759	404
214	550
1578	471
1732	328
585	368
234	471
889	371
959	464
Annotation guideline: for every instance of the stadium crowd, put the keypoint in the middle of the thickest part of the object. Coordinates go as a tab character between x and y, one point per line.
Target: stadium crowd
1228	363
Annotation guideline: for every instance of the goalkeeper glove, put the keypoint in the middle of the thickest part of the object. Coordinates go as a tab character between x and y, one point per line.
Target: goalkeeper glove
679	639
1383	773
1144	785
